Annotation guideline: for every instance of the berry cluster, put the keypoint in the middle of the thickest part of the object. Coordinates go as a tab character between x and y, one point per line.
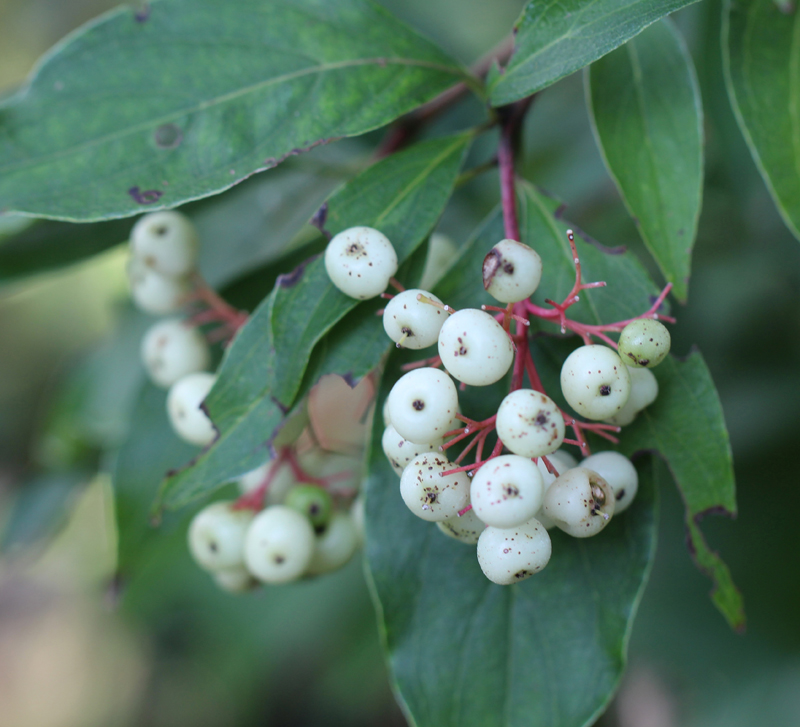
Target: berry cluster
298	514
504	503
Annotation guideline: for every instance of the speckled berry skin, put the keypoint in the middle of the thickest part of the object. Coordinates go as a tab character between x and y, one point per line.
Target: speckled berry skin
644	343
511	271
595	382
360	261
400	451
507	491
410	323
619	472
466	529
422	405
430	496
510	555
474	348
529	423
580	502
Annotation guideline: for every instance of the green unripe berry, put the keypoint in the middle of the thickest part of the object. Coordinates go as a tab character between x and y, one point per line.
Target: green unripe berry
644	342
313	502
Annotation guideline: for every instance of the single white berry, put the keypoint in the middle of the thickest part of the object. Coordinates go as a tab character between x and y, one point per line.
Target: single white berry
474	348
644	342
619	472
429	495
562	461
166	242
442	251
235	580
360	261
412	323
511	271
466	528
335	546
529	423
595	382
423	404
644	391
216	536
188	420
580	502
170	350
153	292
282	481
510	555
506	491
400	451
279	545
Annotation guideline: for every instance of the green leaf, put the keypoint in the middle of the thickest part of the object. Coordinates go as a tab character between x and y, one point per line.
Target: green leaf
466	652
151	111
262	373
648	121
687	427
761	54
556	37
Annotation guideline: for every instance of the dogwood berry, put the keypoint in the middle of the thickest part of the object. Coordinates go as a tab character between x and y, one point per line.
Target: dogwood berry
466	528
313	502
335	545
235	580
400	451
644	391
562	461
422	405
216	536
474	348
595	382
279	545
153	292
166	242
511	271
429	495
360	261
529	423
170	350
510	555
619	472
580	502
412	323
188	420
644	342
506	491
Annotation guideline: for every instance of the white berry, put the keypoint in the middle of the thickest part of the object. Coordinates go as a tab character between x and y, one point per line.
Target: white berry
580	502
644	391
619	472
529	423
429	495
400	451
422	405
188	420
216	536
279	545
562	461
644	342
510	555
170	350
511	271
335	546
507	491
595	382
235	580
412	323
474	348
166	242
360	261
466	528
153	292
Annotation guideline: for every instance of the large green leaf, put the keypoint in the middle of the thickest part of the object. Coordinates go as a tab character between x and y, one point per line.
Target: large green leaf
153	110
648	121
556	37
263	370
466	652
687	427
761	52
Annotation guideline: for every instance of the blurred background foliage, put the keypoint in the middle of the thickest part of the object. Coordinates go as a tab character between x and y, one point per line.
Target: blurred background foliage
177	651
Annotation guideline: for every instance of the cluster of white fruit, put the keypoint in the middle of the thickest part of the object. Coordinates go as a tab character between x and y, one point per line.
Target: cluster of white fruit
298	533
507	504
